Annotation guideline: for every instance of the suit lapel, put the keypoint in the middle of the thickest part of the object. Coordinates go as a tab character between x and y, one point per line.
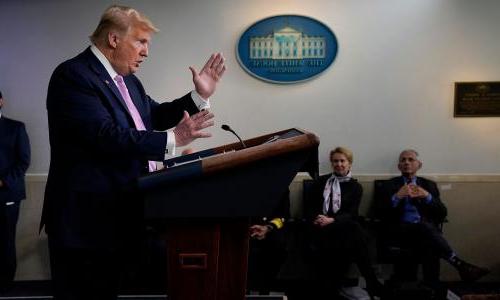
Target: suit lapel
321	190
7	132
420	182
3	127
111	89
104	77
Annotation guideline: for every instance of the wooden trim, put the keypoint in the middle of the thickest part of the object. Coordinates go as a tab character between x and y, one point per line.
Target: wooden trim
436	177
259	151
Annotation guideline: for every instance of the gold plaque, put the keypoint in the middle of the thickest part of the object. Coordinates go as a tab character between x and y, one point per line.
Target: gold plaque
477	99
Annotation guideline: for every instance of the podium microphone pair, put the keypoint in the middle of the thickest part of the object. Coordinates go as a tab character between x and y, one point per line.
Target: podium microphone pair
227	128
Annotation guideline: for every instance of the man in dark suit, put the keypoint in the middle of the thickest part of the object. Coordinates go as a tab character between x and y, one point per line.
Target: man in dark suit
413	211
267	248
14	161
105	131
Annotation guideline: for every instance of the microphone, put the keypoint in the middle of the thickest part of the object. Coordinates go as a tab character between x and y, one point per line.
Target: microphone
227	128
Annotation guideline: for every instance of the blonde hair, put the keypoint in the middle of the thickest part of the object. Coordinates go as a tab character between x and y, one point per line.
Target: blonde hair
121	19
342	150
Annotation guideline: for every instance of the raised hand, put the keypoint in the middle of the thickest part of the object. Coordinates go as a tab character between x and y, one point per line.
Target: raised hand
205	82
190	127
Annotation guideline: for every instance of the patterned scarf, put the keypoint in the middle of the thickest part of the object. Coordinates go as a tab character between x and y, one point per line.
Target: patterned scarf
332	192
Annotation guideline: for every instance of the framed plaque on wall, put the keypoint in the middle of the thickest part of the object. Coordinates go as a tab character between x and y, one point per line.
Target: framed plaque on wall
477	99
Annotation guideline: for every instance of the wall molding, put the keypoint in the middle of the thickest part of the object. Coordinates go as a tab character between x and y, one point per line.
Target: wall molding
436	177
36	177
42	177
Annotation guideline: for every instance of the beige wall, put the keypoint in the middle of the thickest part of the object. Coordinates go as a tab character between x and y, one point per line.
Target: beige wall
390	87
32	249
473	203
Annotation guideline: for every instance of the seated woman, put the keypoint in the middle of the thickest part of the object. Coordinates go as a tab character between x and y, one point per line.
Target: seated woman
337	239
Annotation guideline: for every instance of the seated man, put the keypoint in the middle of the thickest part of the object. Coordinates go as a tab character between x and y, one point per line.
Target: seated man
267	247
413	210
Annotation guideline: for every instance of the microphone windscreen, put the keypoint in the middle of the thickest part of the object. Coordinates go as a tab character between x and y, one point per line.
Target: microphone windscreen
225	127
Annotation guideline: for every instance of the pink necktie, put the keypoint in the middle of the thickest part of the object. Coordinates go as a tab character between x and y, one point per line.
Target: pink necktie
139	125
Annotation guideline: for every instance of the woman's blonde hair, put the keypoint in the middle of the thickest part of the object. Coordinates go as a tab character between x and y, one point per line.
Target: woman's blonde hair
342	150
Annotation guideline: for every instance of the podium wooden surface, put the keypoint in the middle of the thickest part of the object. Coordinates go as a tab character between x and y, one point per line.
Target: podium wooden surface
203	202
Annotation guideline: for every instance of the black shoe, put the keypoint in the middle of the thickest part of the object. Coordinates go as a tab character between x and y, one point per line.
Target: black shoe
471	273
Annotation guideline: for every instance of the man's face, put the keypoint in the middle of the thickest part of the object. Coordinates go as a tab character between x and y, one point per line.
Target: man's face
409	163
340	164
131	50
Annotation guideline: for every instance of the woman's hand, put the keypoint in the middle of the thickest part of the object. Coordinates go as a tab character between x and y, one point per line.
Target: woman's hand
322	220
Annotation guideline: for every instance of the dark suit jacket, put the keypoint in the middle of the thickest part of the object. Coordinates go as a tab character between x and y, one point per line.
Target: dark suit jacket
282	210
96	152
349	206
14	160
434	212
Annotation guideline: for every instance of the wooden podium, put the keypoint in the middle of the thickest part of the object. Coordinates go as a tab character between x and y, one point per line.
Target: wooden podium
203	202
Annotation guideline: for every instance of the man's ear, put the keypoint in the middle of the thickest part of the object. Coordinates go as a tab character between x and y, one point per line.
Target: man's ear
420	165
113	39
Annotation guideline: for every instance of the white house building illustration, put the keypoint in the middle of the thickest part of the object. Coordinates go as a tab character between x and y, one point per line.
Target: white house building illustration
287	43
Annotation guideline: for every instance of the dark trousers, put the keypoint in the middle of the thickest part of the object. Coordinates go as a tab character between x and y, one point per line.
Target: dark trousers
265	259
427	245
9	215
337	246
86	274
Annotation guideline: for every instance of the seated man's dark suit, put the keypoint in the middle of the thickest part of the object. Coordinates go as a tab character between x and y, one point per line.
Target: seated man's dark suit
14	161
267	255
423	238
90	208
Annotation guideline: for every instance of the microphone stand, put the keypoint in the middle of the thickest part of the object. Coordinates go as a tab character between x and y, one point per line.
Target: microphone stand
227	128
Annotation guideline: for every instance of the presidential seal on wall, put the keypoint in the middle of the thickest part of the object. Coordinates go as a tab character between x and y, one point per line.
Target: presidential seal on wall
286	49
